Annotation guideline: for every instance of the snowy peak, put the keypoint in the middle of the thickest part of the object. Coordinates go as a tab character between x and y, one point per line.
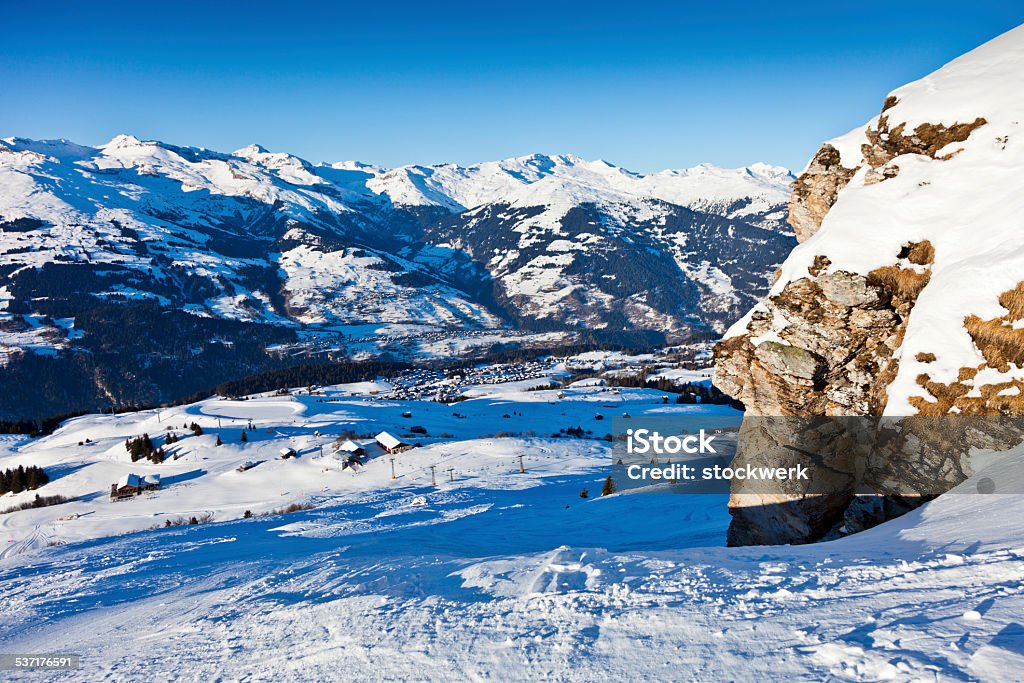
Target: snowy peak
286	166
250	151
532	180
540	180
61	149
123	141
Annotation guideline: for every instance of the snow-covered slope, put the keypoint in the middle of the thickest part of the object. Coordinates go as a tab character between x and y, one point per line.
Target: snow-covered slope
521	219
163	214
658	265
87	454
490	574
927	216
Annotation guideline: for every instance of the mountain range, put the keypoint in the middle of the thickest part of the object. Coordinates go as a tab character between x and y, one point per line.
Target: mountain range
132	264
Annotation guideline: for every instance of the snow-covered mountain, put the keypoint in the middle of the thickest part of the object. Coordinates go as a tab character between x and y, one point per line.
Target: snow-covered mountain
753	193
252	249
906	294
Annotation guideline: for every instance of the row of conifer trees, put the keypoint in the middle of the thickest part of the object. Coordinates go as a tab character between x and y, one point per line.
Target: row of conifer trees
22	478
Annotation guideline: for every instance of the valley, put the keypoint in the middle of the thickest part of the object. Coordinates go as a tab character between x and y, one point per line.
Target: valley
139	272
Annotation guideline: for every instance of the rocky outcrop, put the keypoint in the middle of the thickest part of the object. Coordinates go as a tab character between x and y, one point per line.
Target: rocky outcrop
830	339
815	191
824	345
902	462
818	187
928	139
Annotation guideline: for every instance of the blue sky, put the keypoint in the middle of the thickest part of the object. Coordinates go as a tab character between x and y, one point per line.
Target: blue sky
647	85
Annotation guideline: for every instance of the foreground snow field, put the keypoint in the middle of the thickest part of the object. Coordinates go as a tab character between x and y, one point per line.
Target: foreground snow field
500	575
478	440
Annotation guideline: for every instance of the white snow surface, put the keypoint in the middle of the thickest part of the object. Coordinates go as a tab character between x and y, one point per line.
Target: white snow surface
971	208
495	575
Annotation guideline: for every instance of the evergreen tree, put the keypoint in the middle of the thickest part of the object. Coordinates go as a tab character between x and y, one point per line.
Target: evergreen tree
244	437
137	449
609	486
18	480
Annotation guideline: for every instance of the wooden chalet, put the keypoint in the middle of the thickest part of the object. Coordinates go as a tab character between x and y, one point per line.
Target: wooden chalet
128	486
350	447
392	444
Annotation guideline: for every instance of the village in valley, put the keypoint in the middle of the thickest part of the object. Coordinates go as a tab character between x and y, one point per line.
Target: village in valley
419	431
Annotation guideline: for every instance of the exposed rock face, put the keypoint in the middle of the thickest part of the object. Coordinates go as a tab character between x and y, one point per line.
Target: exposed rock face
815	191
817	188
1001	343
902	461
890	310
928	139
833	356
823	345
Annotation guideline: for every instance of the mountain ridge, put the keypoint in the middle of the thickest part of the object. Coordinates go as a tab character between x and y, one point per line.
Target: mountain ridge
348	259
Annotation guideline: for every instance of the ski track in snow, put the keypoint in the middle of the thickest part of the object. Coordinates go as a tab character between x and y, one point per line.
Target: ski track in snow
501	575
243	600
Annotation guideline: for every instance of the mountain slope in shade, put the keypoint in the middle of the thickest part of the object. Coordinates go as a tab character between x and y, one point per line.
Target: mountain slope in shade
653	265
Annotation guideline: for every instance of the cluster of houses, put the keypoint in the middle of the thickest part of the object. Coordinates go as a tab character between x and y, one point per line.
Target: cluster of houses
435	336
350	453
353	455
437	385
131	485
